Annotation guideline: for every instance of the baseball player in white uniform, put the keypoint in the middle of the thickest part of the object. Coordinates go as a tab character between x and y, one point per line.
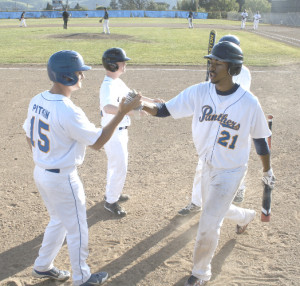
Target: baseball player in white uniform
58	132
225	116
244	19
244	80
111	91
256	19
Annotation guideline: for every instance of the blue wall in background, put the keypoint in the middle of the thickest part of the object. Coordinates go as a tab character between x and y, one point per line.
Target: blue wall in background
100	13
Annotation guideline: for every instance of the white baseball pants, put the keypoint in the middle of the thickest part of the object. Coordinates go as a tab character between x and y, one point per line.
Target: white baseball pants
105	26
218	190
64	198
243	25
117	162
196	193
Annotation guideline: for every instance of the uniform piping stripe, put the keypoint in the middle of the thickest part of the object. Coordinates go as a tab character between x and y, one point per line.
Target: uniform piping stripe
79	254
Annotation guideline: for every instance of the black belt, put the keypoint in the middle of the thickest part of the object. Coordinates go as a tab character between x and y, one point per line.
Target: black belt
125	127
57	171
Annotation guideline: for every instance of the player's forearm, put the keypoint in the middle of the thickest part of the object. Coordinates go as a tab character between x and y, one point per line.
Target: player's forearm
108	131
150	108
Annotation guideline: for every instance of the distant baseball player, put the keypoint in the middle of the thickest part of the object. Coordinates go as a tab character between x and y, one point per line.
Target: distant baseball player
225	116
22	20
111	91
256	19
105	20
58	132
243	79
190	20
244	19
66	16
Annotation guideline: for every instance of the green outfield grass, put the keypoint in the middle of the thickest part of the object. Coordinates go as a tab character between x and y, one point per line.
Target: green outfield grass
155	45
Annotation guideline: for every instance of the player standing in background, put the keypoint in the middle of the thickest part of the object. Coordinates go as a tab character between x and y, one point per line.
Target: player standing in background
225	115
105	22
243	79
111	91
256	19
244	19
58	132
22	20
190	19
66	16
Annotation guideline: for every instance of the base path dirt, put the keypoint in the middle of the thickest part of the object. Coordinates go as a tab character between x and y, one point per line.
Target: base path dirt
152	246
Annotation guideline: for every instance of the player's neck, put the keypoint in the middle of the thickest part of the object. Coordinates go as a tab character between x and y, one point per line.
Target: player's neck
61	89
225	85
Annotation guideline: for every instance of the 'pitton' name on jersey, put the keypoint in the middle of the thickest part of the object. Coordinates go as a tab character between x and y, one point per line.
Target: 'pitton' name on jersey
222	118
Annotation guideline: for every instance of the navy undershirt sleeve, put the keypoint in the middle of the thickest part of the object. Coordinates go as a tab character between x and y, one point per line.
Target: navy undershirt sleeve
162	110
261	146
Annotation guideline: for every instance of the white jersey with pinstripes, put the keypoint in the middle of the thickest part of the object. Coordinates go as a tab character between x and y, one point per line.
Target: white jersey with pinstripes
59	131
221	129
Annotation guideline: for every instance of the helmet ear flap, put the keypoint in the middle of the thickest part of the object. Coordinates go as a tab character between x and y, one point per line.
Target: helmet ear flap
113	67
234	69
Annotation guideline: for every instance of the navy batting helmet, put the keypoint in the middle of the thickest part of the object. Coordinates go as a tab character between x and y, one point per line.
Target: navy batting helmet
230	38
112	56
63	65
230	53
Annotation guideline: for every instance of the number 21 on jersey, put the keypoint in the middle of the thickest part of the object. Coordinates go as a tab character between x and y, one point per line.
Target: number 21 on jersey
226	139
43	141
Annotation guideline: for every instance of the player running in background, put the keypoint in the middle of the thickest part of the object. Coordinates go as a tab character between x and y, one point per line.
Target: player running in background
244	19
111	91
225	115
256	19
58	132
243	79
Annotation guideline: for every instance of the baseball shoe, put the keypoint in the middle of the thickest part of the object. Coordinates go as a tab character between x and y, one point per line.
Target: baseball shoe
122	198
53	273
190	208
115	208
194	281
241	229
239	197
96	279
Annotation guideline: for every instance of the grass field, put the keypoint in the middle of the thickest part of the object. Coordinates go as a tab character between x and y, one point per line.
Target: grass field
146	40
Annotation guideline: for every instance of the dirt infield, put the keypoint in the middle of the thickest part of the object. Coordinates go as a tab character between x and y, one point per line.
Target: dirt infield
152	246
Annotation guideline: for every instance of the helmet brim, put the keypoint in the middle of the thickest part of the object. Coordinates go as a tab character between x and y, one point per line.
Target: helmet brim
85	68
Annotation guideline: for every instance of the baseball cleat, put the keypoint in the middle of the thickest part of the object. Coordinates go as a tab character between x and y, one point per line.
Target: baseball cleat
53	273
115	208
190	208
241	229
96	279
239	197
194	281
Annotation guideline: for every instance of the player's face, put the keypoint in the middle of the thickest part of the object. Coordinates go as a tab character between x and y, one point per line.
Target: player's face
122	67
218	71
78	85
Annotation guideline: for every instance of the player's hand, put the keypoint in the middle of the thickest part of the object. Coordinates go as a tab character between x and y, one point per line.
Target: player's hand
132	104
269	179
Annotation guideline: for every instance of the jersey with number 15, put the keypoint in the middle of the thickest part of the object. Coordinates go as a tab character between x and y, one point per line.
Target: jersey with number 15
59	131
